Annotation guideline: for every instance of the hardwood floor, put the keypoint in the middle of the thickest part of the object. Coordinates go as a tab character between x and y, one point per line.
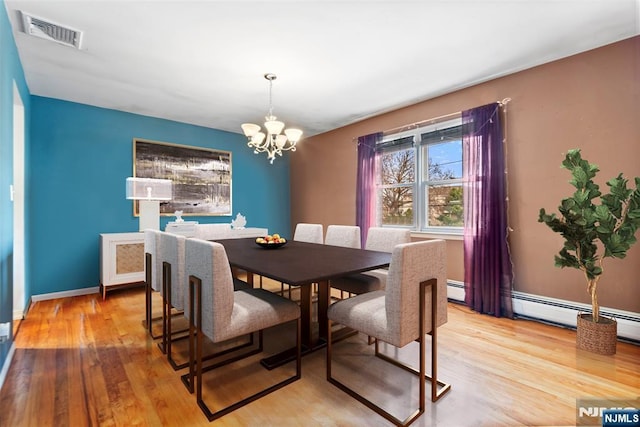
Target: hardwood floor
82	361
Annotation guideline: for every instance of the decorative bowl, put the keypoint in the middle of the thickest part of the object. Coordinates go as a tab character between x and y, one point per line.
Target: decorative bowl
271	245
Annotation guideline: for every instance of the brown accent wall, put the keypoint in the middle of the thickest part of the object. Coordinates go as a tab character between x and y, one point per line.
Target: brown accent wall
589	101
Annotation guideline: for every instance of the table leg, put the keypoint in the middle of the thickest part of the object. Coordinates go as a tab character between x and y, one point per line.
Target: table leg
323	306
309	344
306	314
250	278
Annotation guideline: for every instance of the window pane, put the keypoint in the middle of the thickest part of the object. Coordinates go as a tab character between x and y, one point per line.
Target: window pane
445	205
445	161
397	206
398	167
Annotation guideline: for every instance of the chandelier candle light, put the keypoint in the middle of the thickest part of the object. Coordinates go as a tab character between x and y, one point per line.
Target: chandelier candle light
273	142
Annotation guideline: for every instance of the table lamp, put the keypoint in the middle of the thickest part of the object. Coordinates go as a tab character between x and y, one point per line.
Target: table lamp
149	192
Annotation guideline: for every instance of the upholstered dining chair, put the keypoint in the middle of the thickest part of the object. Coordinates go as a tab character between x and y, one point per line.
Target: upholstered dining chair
153	276
347	236
381	239
343	235
174	288
413	304
309	233
220	313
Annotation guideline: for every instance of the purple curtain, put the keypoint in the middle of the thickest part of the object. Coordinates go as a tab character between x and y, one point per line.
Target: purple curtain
366	183
488	272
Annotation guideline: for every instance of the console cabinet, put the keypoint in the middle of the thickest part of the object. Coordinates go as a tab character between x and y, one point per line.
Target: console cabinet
122	256
121	260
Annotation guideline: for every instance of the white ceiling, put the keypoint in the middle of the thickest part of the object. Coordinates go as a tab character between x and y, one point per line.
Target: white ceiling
337	62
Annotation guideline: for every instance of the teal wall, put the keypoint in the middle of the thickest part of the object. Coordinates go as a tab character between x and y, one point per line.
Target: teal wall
77	158
10	71
80	159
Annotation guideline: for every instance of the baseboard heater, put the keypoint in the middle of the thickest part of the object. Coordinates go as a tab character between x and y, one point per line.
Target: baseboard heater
559	312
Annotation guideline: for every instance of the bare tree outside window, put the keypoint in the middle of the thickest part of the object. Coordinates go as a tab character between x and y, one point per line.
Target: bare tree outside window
420	178
398	177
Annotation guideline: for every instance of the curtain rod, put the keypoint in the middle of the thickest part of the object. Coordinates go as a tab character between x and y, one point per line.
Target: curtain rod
403	128
431	121
420	123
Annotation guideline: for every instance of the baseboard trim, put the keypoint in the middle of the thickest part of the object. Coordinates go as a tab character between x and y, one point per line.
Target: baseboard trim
558	312
65	294
563	312
7	364
455	290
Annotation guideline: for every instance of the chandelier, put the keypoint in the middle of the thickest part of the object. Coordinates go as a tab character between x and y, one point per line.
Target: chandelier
273	142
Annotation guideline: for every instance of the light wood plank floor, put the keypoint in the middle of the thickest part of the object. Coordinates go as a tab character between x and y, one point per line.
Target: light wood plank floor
82	361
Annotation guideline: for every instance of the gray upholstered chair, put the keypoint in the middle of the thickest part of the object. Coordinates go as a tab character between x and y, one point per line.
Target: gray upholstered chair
220	313
174	288
153	276
310	233
347	236
415	299
381	239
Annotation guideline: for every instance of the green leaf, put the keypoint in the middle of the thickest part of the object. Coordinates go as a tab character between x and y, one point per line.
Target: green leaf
580	177
590	229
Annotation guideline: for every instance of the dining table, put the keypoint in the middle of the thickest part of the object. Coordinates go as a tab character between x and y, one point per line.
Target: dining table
302	264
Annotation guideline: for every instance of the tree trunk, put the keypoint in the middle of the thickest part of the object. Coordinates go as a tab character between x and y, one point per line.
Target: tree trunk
593	287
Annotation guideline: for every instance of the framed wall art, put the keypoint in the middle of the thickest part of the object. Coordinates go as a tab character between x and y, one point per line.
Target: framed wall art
201	176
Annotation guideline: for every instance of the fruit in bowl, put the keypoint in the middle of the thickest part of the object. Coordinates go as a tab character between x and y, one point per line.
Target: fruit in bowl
271	240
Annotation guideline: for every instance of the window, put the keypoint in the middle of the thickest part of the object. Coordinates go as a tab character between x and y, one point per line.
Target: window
420	182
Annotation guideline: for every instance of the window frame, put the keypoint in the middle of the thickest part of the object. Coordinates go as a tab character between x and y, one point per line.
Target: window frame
420	202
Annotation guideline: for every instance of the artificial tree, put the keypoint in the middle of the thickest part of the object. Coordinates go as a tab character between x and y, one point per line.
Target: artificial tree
592	231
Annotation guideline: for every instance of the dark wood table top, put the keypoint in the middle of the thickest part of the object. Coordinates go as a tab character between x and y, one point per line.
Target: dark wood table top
300	263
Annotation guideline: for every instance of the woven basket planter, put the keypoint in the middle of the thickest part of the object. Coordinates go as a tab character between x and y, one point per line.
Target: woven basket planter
600	337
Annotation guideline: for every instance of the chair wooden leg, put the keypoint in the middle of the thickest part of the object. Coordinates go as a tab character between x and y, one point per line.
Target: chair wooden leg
237	405
165	315
423	377
433	378
149	298
195	294
196	368
168	332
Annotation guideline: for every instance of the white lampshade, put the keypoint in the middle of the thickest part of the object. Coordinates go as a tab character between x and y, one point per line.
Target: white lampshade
280	141
258	138
250	129
149	189
293	134
274	127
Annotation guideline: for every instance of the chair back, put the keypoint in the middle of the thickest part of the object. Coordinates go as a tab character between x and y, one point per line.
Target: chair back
213	231
384	239
347	236
310	233
411	264
208	262
151	246
172	251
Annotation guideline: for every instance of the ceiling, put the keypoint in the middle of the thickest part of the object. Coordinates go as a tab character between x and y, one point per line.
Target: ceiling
337	62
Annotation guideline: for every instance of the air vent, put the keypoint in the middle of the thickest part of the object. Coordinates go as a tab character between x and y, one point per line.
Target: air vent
48	30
